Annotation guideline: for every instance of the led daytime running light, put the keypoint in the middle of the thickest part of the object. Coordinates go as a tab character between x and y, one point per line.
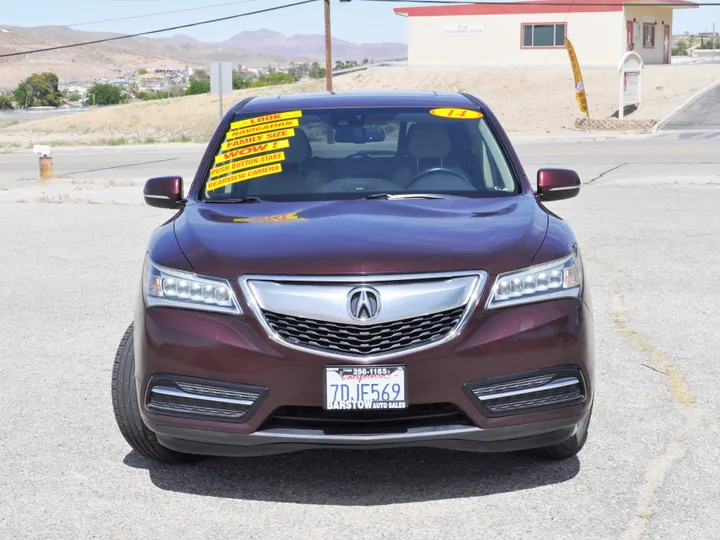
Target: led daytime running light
167	287
556	279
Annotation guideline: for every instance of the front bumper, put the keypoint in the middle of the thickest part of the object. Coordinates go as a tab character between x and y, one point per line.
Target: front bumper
279	441
515	340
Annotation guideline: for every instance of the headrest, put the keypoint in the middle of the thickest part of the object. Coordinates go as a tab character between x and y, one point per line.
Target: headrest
300	150
430	140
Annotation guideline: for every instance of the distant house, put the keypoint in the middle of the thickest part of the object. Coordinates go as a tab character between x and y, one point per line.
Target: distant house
71	89
65	104
507	35
150	82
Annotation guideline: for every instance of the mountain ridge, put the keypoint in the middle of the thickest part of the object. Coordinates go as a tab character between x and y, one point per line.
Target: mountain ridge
254	48
313	46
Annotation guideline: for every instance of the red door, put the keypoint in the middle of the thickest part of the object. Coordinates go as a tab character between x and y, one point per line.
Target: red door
666	45
630	43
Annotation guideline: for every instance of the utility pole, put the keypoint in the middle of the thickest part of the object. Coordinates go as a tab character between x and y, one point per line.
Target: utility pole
328	49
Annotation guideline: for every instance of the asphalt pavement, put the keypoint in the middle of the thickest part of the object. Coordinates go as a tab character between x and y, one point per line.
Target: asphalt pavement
648	226
702	113
663	157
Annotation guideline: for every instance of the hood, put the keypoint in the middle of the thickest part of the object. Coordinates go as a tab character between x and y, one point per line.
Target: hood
361	236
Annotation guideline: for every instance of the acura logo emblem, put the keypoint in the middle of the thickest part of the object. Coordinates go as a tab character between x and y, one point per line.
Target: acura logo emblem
363	303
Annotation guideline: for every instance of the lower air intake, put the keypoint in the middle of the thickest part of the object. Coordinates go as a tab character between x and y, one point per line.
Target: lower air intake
530	392
367	422
202	398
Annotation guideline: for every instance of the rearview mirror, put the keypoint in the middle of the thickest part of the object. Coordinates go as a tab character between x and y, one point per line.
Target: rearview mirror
557	184
164	192
358	134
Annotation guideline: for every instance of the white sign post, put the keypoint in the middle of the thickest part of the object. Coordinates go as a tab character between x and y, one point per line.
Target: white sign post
631	66
220	80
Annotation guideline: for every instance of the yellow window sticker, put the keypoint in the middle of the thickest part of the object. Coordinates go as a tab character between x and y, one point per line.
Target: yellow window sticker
244	176
265	119
262	128
291	216
255	139
250	150
464	114
246	163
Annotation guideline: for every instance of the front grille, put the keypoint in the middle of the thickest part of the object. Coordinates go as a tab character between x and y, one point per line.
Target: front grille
364	341
200	398
554	387
365	422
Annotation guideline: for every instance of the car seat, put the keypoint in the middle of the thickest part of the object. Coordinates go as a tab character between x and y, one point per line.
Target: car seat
296	177
429	146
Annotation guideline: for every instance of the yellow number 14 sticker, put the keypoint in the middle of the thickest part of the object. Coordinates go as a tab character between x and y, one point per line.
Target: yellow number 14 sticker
464	114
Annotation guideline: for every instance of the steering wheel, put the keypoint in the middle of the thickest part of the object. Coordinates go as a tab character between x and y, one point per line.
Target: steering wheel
432	170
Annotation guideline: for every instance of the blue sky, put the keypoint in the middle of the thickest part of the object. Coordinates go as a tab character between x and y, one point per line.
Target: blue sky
355	21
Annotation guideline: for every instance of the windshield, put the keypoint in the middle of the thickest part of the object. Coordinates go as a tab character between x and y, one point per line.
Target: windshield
334	154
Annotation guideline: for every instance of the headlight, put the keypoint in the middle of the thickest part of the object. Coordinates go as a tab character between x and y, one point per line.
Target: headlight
557	279
167	287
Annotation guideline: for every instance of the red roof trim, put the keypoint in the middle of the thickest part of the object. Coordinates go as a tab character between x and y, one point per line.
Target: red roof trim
526	8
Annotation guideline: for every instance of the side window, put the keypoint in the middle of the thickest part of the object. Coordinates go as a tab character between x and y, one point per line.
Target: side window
496	171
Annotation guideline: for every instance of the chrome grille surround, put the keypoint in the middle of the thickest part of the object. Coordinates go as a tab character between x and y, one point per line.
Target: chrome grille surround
323	300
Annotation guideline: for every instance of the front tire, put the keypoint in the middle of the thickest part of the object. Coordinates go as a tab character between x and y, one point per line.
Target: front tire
570	446
127	410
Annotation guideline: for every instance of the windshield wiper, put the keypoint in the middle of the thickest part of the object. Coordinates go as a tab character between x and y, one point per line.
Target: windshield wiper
407	196
242	200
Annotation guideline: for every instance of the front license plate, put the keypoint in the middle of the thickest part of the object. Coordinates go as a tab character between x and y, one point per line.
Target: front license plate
363	388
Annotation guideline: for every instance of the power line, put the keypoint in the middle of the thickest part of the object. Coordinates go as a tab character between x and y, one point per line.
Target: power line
171	12
190	25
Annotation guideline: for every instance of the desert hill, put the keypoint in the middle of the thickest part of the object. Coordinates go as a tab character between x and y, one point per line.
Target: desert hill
313	46
252	48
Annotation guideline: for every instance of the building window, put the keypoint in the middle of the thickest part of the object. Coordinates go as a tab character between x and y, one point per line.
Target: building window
649	36
543	35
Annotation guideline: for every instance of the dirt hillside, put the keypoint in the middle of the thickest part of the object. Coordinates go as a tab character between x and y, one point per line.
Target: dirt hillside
527	102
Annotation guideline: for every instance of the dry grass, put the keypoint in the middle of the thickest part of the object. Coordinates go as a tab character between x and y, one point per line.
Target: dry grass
526	102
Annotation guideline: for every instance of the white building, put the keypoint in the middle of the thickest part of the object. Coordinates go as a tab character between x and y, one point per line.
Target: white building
523	35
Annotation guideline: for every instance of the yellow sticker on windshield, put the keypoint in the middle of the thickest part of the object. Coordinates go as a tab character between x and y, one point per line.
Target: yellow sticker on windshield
265	119
291	216
250	150
255	139
246	163
244	176
464	114
262	128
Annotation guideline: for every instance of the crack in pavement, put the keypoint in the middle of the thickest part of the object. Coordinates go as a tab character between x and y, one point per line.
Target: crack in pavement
655	474
114	167
61	200
674	380
657	468
616	167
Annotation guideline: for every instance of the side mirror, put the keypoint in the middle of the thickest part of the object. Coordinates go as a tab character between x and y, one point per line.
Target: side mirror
164	192
557	184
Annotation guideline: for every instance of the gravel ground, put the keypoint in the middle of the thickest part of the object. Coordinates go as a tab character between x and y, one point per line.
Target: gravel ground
650	468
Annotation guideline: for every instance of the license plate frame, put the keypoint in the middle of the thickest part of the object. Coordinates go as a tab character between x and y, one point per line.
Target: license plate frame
368	373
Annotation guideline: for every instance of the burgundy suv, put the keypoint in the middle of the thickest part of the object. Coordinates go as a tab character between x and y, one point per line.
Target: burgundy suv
358	270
